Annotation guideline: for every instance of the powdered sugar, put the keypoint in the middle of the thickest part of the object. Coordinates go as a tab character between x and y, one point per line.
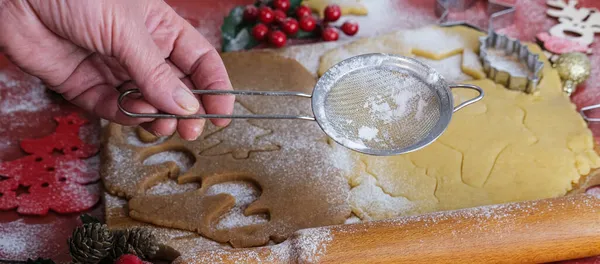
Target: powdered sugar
383	18
312	244
308	55
31	98
419	114
381	109
81	171
594	191
244	194
369	195
8	81
307	246
470	60
352	220
342	159
29	238
499	60
367	133
90	134
172	187
111	201
5	144
449	68
183	160
133	139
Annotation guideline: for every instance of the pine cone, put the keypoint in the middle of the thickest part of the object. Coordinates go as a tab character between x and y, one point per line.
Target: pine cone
120	245
138	241
90	243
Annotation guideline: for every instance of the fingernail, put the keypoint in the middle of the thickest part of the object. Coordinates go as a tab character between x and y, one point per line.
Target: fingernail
192	138
186	100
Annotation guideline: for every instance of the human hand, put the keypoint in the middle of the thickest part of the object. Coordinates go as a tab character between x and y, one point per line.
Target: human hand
89	50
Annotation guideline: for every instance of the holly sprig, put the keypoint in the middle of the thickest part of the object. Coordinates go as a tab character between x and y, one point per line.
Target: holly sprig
236	33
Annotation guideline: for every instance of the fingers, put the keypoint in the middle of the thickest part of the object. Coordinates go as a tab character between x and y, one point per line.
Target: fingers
195	56
138	53
205	76
102	100
94	70
190	129
161	127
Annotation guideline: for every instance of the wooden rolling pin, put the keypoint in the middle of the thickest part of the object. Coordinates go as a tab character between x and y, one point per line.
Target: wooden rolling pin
527	232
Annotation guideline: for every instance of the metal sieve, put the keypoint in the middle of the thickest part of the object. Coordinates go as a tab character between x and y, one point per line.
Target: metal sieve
377	104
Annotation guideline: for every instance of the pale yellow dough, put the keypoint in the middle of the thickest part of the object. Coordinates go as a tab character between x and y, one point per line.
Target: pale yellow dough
348	7
508	147
433	43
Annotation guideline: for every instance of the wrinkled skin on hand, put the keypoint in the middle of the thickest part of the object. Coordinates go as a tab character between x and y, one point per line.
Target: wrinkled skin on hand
88	51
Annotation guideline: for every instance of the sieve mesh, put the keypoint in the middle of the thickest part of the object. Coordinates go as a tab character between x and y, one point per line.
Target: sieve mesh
381	108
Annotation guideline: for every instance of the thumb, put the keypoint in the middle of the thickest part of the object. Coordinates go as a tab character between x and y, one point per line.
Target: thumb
158	84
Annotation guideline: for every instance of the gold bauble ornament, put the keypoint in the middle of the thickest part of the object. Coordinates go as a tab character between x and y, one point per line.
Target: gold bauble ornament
573	68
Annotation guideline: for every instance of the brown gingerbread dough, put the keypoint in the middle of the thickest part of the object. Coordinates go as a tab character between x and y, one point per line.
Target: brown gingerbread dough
299	175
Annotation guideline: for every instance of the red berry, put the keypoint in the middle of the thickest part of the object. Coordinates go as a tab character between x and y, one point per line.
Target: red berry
330	34
250	13
282	5
277	38
260	31
332	13
350	28
308	23
128	259
290	26
303	11
280	16
266	15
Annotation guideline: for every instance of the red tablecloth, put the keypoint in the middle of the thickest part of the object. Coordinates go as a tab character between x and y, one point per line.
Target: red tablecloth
23	237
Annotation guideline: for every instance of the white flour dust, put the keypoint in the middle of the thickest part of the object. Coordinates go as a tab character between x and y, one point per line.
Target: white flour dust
367	133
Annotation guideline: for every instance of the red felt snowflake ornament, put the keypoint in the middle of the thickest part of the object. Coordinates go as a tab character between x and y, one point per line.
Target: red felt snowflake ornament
56	175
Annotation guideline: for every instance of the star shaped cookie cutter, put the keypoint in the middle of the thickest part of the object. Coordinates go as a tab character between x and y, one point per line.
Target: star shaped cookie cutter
500	14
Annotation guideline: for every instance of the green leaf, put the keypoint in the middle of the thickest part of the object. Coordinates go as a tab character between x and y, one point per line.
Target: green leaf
259	3
295	4
242	41
305	35
88	219
230	25
40	261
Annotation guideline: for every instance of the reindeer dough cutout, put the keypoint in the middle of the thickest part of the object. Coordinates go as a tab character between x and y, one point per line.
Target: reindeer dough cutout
582	21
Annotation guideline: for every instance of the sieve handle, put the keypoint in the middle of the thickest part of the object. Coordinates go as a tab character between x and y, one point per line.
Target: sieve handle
218	92
588	108
470	101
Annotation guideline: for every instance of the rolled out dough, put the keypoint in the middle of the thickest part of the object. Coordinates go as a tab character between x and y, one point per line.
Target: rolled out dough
508	147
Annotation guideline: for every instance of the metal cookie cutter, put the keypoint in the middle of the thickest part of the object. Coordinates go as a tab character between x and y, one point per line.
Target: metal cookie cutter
377	104
510	48
589	108
500	14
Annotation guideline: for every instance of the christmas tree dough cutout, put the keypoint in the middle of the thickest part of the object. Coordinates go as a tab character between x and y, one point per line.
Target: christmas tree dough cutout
240	145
